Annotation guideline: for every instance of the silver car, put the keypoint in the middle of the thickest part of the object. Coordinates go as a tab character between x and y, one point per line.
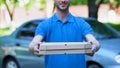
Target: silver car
14	48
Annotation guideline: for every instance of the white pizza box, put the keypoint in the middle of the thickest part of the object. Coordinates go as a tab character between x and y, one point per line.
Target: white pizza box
65	48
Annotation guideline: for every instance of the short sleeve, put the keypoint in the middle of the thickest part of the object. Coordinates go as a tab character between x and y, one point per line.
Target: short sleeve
86	28
41	29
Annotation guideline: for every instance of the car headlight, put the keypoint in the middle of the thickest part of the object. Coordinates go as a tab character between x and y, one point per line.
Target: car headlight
117	58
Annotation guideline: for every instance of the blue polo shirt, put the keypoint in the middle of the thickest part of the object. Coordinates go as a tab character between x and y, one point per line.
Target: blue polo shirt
71	30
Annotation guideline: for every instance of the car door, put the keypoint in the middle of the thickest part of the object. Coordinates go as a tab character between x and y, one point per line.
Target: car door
1	55
25	58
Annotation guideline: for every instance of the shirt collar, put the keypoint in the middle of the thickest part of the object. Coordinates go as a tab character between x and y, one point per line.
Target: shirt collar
69	18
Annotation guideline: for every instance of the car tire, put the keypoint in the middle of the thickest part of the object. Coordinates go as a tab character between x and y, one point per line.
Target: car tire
94	65
10	63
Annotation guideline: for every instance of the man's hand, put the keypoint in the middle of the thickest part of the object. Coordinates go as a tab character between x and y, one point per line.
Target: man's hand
93	50
35	45
90	54
36	49
95	44
94	47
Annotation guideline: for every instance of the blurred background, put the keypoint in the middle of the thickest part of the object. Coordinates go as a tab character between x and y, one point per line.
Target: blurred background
15	12
19	19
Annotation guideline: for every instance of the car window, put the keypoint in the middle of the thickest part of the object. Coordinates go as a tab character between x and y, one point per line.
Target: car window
26	34
102	30
30	25
27	31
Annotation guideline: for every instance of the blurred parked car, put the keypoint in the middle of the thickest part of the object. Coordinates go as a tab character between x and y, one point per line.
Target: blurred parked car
109	54
14	48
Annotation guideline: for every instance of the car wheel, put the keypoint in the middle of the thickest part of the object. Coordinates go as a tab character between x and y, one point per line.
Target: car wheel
10	63
94	66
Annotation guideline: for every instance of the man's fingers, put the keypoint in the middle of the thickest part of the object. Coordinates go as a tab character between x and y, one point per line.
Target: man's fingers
90	42
38	45
36	49
37	53
93	46
90	54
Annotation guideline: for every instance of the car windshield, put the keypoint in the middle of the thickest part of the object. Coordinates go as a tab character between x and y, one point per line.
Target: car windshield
102	30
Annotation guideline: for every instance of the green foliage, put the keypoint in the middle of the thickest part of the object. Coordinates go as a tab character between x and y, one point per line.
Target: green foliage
116	26
117	2
29	4
78	2
105	1
42	4
2	2
12	3
5	31
84	2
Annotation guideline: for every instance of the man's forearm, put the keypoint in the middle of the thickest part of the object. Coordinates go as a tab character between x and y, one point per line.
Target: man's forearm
34	42
31	47
90	38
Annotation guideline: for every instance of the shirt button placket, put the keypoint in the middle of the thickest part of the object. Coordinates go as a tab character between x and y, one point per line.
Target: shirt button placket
63	31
